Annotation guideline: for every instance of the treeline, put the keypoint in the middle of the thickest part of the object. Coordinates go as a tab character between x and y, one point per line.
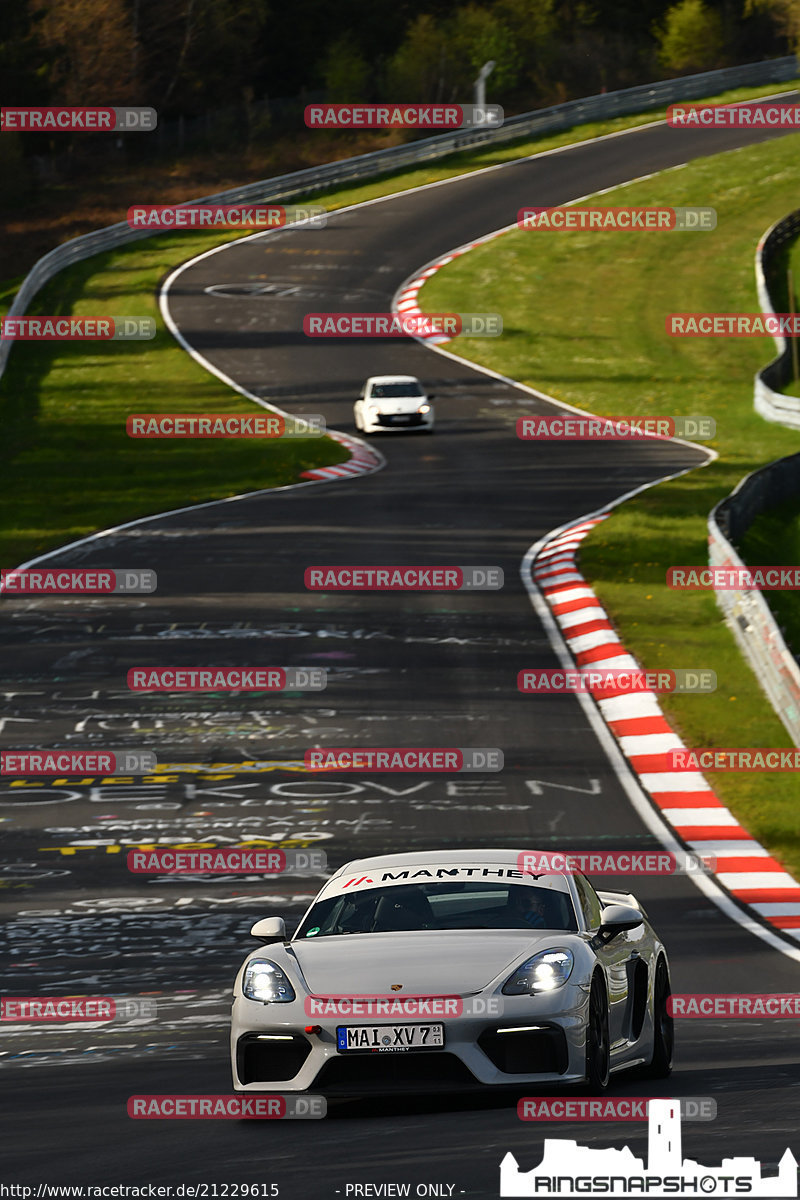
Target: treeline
186	57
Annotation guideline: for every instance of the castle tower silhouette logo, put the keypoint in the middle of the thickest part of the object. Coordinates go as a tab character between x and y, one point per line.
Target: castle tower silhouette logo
568	1169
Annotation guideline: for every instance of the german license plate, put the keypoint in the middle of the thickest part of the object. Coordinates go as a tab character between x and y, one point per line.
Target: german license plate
388	1039
402	419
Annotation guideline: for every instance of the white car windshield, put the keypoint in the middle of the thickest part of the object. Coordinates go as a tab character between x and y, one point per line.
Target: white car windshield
445	905
388	391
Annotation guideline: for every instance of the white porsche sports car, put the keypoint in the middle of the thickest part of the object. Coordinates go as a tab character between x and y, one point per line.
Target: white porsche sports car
452	968
392	402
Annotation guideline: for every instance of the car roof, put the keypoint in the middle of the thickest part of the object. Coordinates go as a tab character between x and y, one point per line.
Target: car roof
392	379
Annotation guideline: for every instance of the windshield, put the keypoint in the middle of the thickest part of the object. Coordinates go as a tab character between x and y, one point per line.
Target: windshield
388	390
446	905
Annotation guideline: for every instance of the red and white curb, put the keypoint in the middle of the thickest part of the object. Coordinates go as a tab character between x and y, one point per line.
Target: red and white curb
363	460
406	301
685	800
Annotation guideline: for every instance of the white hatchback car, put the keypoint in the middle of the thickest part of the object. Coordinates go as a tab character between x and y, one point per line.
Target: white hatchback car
392	402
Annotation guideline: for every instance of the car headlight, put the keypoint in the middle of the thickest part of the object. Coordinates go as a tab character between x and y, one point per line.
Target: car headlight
546	971
265	981
424	408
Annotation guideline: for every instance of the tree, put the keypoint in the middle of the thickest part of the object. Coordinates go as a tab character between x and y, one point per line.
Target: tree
90	45
345	71
785	15
691	37
418	69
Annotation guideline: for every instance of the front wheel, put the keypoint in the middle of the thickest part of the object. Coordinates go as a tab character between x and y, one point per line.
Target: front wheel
598	1053
660	1065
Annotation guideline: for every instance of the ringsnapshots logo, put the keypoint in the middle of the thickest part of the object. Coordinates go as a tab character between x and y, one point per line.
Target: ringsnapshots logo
227	861
752	1005
409	324
617	1108
580	428
615	681
614	862
570	1170
711	758
67	582
78	329
734	579
227	679
602	219
403	116
734	116
405	758
225	425
752	324
226	216
77	762
67	1009
403	579
81	120
226	1108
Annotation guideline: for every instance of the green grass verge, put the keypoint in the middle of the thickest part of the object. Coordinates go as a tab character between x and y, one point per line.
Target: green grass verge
600	343
69	467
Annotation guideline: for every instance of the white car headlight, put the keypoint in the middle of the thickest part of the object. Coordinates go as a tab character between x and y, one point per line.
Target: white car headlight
265	981
424	408
544	972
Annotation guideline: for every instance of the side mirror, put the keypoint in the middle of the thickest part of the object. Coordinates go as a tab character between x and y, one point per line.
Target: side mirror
269	929
617	918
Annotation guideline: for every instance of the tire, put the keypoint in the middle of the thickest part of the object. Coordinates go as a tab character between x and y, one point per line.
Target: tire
598	1051
660	1065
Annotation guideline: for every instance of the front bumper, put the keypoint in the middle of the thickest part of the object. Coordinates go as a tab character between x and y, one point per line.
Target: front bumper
387	422
271	1050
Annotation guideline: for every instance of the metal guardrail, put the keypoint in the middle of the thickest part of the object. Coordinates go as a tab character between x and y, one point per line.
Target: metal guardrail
300	183
768	400
747	612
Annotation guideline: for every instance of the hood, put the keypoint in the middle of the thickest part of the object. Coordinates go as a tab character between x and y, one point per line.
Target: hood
433	963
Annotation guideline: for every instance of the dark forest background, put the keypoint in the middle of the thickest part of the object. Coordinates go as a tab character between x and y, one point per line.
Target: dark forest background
189	56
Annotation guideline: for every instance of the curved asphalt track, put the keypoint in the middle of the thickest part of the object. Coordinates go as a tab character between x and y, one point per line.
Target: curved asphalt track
419	669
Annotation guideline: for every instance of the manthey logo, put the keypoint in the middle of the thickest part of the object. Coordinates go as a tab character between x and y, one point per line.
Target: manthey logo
568	1169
